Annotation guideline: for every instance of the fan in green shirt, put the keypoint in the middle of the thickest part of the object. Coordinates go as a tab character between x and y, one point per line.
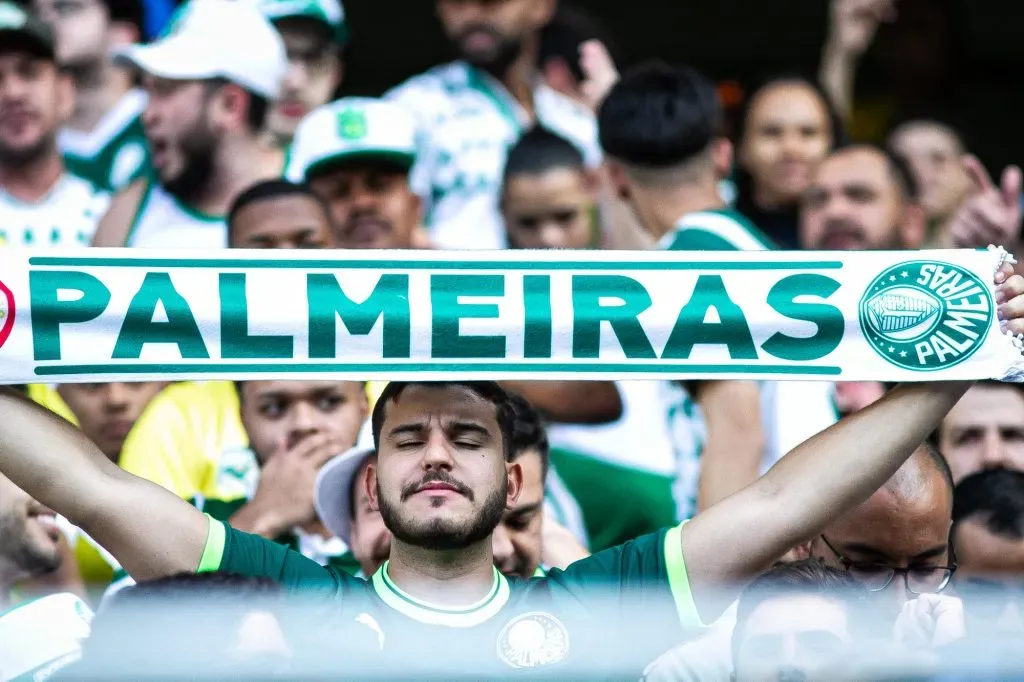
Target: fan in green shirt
438	608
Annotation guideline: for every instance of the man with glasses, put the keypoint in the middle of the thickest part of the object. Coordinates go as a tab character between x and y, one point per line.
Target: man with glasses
897	543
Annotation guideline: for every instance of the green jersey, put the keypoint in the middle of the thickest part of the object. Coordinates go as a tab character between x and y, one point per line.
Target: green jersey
116	152
605	616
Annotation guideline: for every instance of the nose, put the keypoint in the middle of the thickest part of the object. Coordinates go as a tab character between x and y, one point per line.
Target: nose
362	199
303	420
897	590
296	76
552	236
116	396
501	547
438	454
993	452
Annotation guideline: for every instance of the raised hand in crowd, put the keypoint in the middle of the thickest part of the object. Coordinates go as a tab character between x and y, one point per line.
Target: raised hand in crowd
599	72
852	27
284	497
990	214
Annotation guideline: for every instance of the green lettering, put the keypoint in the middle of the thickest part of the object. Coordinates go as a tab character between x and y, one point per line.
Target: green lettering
588	313
447	311
389	300
49	312
828	318
139	328
692	329
537	303
235	341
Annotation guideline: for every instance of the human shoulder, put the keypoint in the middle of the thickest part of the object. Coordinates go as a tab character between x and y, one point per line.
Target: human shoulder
716	230
114	228
429	95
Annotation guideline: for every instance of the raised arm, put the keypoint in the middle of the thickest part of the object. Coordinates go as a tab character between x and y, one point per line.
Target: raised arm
731	542
149	530
821	479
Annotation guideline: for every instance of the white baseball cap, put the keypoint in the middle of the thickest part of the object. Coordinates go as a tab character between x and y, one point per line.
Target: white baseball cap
216	39
352	128
334	485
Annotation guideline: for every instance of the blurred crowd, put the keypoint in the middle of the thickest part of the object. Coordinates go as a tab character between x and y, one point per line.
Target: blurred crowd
226	131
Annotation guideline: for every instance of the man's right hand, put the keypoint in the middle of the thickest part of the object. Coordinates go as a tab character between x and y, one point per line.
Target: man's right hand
853	23
285	495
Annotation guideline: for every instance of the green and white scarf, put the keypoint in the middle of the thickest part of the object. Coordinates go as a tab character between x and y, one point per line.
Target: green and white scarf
106	315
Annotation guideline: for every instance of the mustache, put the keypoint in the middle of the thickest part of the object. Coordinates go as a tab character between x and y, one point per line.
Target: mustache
479	28
840	226
437	477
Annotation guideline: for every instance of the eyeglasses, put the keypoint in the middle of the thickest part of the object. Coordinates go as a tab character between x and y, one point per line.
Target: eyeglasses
876	577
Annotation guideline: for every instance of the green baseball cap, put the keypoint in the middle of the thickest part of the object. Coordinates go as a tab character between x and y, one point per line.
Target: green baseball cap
20	29
329	12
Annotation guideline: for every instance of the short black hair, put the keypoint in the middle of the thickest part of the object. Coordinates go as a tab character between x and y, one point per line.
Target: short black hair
562	37
994	498
255	113
269	189
129	11
540	150
529	432
658	116
488	390
807	577
352	493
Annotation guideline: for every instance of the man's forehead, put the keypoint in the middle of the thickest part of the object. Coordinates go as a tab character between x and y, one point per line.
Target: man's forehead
988	404
897	524
856	165
439	403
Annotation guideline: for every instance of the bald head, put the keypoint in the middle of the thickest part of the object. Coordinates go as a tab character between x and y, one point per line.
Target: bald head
905	524
861	198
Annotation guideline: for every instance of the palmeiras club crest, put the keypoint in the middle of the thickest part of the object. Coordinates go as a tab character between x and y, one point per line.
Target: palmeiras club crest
926	315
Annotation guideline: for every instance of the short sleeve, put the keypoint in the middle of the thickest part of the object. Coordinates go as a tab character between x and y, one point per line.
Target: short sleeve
232	551
641	589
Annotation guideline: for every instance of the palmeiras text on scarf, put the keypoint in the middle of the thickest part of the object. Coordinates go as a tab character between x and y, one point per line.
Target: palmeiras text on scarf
129	315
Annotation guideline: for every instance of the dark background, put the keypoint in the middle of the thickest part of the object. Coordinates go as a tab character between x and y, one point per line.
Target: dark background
747	40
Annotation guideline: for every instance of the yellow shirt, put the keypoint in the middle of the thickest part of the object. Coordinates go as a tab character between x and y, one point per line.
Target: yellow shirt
191	441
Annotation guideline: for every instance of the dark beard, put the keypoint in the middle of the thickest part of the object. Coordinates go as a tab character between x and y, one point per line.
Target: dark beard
20	553
199	148
441	534
27	156
497	61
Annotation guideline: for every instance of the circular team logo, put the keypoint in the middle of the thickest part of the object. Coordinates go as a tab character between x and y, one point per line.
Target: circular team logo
926	316
533	639
6	313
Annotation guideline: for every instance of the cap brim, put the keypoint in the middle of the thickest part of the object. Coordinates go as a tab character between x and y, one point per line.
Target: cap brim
401	160
21	40
166	59
334	490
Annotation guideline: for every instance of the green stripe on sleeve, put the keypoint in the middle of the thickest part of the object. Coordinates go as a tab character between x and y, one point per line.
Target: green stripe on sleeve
679	581
213	553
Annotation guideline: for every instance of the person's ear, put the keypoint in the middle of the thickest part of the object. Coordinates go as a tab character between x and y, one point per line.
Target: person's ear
619	181
722	155
515	483
370	481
